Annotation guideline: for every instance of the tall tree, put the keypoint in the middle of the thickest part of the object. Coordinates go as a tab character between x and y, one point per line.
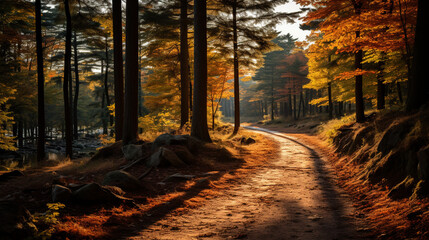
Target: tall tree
418	85
41	124
118	69
184	63
67	75
236	70
199	128
130	131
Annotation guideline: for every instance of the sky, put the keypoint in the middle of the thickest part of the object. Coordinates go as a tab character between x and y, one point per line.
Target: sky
293	29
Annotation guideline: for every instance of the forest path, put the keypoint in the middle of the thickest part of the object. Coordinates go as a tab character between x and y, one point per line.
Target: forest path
292	197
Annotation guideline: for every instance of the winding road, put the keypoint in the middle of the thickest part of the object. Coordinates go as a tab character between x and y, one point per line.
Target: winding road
292	197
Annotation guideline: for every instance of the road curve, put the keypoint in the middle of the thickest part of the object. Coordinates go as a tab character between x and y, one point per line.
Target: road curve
292	197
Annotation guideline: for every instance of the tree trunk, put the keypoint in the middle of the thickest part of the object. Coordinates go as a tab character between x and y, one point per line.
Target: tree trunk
41	123
418	86
184	64
76	91
130	132
67	73
106	85
199	128
330	105
236	70
381	90
118	68
294	107
360	107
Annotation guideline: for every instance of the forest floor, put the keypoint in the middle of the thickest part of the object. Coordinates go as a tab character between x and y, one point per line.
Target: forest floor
292	195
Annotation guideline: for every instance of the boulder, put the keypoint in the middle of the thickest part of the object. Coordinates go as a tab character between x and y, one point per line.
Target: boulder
393	136
122	180
16	222
60	193
183	153
11	174
423	164
162	140
112	151
166	139
171	157
93	193
132	152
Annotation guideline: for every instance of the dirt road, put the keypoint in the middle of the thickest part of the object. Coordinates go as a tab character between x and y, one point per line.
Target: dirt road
292	197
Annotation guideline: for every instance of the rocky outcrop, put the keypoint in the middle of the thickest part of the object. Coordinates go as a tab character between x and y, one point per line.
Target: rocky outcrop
122	180
60	193
393	150
94	193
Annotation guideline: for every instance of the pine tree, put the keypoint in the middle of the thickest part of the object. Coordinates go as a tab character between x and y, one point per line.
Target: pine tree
130	131
199	128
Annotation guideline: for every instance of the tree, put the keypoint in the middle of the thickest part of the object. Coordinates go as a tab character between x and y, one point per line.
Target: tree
130	131
418	86
199	128
248	37
41	124
67	74
184	64
118	68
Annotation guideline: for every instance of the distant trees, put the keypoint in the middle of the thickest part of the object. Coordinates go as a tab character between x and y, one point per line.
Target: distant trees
41	124
373	45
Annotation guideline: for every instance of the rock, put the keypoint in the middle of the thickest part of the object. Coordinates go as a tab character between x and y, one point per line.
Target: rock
247	141
16	222
8	175
122	180
421	190
183	153
93	193
60	193
132	152
171	157
164	157
404	189
166	139
423	164
112	151
393	136
162	140
177	177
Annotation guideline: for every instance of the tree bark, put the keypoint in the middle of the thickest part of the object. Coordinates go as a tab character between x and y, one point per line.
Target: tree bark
130	131
330	104
184	64
41	123
199	128
381	89
67	73
236	70
118	68
360	107
418	86
76	91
